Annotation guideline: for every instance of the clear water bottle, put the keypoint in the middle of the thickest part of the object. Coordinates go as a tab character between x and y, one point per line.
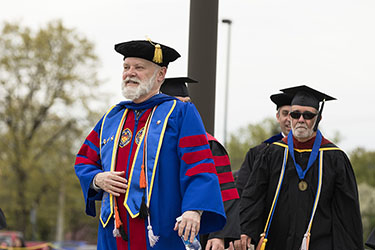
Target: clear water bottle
195	245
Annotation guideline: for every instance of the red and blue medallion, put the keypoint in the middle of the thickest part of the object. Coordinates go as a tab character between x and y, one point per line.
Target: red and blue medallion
139	135
126	137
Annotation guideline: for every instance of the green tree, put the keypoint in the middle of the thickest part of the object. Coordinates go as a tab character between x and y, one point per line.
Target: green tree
247	137
47	79
367	204
363	162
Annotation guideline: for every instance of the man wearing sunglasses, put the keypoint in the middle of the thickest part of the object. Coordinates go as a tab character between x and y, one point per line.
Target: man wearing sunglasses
305	195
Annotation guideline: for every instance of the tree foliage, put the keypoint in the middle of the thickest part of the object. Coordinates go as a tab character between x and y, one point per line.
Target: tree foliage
46	82
363	162
367	204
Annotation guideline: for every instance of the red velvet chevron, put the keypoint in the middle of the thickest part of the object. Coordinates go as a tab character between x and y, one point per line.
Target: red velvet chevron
196	154
89	152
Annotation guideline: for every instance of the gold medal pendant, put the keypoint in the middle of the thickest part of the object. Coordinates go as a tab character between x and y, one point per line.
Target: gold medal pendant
302	185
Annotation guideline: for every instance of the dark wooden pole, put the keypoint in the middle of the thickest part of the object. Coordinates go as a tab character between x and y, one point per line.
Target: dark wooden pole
202	58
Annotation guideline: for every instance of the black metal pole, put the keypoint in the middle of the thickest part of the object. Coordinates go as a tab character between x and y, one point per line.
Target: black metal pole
202	58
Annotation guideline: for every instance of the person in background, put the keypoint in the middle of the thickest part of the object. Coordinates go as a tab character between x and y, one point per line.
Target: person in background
282	102
149	162
18	242
217	240
3	223
305	195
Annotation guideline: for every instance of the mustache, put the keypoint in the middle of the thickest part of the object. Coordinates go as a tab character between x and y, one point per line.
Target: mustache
301	126
133	79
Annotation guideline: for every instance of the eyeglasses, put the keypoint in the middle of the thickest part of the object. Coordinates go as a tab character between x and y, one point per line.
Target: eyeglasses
307	115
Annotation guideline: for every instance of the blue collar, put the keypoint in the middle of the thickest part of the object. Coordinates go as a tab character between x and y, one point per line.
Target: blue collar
149	103
313	154
274	138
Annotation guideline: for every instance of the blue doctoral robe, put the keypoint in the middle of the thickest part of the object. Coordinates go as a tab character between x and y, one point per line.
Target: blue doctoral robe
184	175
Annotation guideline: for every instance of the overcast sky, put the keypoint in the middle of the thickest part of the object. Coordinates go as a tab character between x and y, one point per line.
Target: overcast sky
326	44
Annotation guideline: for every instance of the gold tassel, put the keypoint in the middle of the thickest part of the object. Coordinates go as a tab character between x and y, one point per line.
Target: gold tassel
158	54
263	247
262	243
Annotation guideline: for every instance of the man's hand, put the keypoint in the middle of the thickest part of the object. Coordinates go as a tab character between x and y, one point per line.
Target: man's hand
243	244
112	182
189	225
231	246
215	244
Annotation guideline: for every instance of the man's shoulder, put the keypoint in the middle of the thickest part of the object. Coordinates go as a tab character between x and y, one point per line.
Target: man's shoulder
274	138
181	109
265	148
332	150
256	149
278	144
114	109
182	104
327	144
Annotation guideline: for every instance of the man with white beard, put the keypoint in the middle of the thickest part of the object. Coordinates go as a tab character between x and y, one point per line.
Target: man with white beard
149	162
305	195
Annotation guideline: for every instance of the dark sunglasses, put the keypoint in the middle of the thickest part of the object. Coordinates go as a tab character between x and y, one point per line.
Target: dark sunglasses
307	115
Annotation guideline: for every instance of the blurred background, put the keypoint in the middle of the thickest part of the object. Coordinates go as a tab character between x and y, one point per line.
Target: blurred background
59	74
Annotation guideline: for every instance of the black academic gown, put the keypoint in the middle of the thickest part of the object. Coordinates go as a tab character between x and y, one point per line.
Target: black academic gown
231	230
371	240
247	165
337	223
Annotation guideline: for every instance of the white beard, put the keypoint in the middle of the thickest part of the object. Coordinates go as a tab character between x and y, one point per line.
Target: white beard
134	92
302	132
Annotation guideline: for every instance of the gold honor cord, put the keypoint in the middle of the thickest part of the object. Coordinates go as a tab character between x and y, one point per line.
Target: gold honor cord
306	237
263	240
158	151
307	150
